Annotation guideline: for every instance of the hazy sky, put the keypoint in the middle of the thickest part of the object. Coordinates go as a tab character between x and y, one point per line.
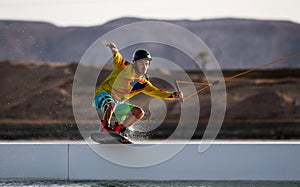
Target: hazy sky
95	12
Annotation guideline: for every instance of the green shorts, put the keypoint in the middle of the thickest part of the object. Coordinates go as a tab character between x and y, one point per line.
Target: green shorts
122	108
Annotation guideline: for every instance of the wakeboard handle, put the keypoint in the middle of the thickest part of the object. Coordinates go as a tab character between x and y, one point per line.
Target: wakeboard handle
178	90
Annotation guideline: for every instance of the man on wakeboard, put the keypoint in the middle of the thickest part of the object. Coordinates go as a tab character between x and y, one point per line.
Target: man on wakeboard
126	80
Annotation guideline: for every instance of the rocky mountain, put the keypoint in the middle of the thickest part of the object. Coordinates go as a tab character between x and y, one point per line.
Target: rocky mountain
236	43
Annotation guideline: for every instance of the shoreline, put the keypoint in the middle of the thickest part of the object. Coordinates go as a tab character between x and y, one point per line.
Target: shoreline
39	130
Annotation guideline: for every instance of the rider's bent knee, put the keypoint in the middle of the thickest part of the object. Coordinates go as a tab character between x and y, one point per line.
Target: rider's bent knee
138	112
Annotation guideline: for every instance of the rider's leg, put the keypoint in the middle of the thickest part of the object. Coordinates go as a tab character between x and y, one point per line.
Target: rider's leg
136	114
108	112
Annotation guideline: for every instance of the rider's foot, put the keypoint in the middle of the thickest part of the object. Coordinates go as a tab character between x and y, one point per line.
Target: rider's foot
106	127
120	129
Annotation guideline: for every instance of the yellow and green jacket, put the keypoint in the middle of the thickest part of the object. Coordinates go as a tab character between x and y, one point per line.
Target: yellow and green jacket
123	82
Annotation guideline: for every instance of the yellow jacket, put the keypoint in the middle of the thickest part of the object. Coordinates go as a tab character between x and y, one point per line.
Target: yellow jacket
123	82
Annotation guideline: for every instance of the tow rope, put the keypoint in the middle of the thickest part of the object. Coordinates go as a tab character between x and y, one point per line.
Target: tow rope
208	85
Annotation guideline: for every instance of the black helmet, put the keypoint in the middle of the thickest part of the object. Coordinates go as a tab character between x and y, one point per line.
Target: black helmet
142	54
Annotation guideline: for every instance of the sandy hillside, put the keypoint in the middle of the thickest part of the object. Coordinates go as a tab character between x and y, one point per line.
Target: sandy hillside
39	93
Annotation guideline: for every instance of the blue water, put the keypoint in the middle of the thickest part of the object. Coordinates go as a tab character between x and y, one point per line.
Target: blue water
52	183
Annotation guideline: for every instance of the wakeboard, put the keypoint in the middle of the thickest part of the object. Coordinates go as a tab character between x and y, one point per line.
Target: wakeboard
109	138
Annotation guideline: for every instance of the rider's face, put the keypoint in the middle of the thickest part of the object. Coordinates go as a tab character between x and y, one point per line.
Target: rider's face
142	66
